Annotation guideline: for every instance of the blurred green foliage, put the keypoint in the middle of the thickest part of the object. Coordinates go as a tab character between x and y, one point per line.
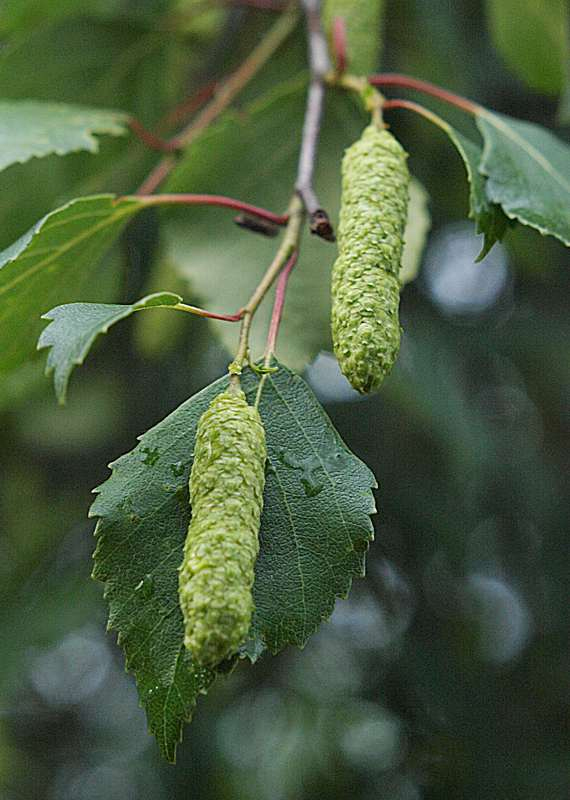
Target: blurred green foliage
447	672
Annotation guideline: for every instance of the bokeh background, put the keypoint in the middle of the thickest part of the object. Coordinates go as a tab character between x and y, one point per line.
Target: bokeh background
447	672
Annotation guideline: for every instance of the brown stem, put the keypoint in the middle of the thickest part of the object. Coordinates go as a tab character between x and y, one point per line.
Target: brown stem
288	246
320	66
225	94
189	105
157	175
201	312
150	139
408	82
240	78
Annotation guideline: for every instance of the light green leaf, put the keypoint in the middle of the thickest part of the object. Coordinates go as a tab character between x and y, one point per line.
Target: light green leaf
247	156
51	263
31	129
315	531
75	326
363	22
528	173
415	234
533	36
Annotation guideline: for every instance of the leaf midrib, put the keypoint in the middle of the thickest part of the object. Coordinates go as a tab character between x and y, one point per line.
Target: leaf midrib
525	146
70	244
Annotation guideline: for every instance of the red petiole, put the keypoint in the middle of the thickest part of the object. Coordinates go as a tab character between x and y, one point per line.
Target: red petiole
408	82
212	200
280	291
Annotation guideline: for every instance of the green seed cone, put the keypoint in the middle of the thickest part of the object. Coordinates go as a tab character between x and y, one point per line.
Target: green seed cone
226	493
363	20
365	285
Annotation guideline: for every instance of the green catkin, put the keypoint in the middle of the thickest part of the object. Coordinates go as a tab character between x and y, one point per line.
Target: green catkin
365	285
226	494
363	21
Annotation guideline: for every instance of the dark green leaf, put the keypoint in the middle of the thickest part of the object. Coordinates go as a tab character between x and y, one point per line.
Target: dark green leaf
30	129
51	263
489	217
533	38
563	112
314	534
316	527
75	327
528	173
19	15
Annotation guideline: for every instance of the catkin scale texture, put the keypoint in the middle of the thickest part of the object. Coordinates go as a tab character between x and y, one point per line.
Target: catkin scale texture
226	494
365	284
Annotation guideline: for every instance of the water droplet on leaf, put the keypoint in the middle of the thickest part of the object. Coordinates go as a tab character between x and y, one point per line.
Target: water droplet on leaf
312	488
311	469
145	587
151	455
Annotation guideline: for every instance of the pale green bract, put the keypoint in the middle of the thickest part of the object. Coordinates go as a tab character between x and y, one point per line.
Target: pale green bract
365	280
226	494
363	22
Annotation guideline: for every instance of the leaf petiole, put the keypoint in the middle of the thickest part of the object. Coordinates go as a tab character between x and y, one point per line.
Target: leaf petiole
408	82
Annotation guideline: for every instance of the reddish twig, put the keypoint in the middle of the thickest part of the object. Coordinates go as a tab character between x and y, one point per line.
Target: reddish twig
157	175
180	112
150	139
339	44
223	96
213	200
201	312
238	79
189	106
280	292
408	82
417	109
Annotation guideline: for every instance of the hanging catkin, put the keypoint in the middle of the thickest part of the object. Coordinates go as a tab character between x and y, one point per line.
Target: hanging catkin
365	285
226	494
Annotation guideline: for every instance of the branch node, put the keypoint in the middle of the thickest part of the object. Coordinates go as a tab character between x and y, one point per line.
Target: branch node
320	225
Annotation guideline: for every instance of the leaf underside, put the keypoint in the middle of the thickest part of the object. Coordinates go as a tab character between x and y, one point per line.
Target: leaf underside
488	216
50	264
315	531
528	173
34	129
75	326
